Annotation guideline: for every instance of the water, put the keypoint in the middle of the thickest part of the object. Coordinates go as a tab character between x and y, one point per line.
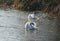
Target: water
12	27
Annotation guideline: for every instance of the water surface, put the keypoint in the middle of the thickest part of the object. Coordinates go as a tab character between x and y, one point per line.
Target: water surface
12	27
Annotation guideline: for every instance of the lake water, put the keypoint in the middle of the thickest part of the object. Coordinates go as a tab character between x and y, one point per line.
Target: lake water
12	27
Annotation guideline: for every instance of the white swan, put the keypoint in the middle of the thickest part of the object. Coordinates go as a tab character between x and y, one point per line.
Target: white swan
31	17
30	25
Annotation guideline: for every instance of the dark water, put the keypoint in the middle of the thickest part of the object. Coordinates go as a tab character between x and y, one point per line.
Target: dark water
12	27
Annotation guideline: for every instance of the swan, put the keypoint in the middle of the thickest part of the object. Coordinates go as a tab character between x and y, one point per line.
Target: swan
32	17
30	25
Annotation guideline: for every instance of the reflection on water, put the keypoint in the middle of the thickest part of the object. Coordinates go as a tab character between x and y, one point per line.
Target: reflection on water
12	27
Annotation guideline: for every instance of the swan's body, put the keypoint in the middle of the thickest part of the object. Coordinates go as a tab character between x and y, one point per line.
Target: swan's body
32	17
30	25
